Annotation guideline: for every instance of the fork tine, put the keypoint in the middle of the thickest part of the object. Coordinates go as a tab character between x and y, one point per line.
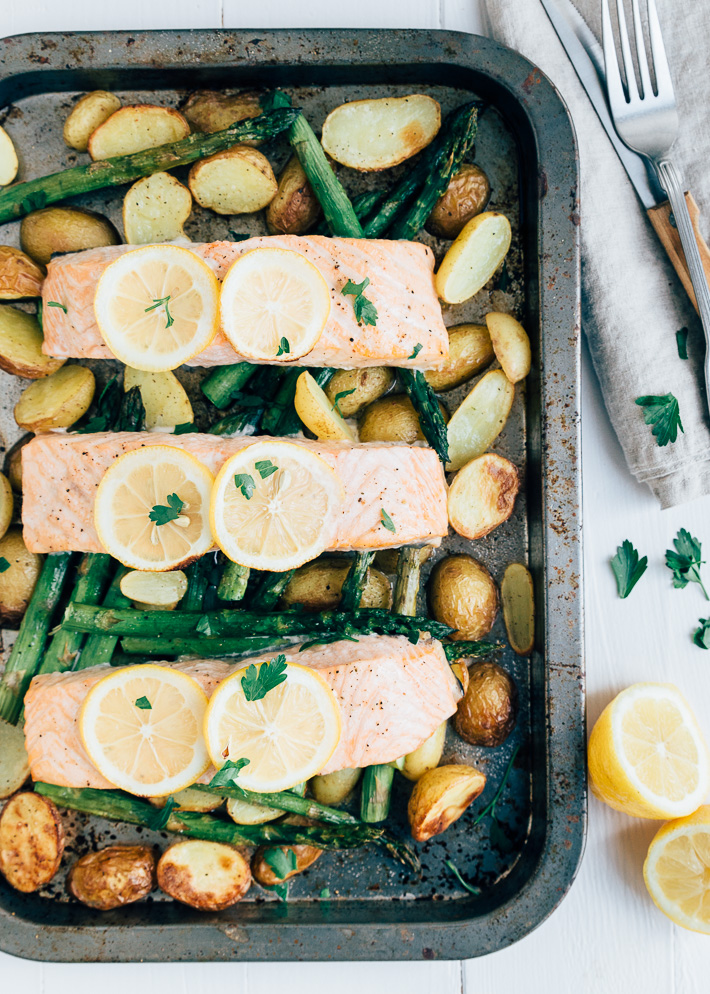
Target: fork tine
664	80
631	85
614	86
647	89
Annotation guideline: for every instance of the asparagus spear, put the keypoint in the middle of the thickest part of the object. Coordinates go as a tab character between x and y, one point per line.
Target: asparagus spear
426	405
221	385
281	418
115	410
376	792
208	648
270	588
117	806
198	580
464	650
355	581
99	649
363	204
21	198
26	653
407	581
233	584
131	416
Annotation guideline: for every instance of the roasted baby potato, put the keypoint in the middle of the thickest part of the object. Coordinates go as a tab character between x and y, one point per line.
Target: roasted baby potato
392	419
387	559
155	210
238	181
295	208
480	418
474	257
56	401
441	796
189	799
137	127
20	276
486	714
460	671
17	581
462	594
21	346
266	874
352	389
7	504
64	229
466	196
8	159
87	115
517	598
317	586
334	788
14	764
427	756
246	813
511	345
470	352
112	877
31	841
317	413
155	589
482	495
209	876
13	463
370	135
210	111
164	398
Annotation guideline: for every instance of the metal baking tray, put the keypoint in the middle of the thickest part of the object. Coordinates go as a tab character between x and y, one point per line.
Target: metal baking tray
373	909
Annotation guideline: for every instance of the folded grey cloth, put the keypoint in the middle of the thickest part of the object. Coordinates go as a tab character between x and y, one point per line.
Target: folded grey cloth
632	301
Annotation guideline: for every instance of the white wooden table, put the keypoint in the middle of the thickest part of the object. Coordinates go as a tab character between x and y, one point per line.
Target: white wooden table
607	936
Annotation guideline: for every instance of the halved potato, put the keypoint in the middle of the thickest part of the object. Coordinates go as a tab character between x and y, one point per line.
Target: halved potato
8	159
164	398
440	797
209	876
191	800
56	401
113	877
154	589
486	714
427	756
511	344
7	504
210	110
18	581
474	257
295	208
64	229
20	276
466	196
470	352
238	181
303	856
517	597
14	763
482	495
479	420
370	135
137	127
31	841
155	209
246	813
318	414
317	586
21	341
462	594
87	115
353	389
392	419
334	788
13	463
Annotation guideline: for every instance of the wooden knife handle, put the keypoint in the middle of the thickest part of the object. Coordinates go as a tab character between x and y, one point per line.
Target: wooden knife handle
668	233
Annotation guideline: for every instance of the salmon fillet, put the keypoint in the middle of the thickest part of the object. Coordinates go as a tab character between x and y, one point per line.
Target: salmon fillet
401	288
392	696
60	475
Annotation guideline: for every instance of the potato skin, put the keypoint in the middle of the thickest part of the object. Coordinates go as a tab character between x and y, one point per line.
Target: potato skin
7	504
210	110
470	352
441	796
466	196
87	115
112	877
31	841
295	208
264	875
64	229
209	876
134	128
20	276
56	401
392	419
14	761
462	594
487	712
21	346
333	788
13	463
317	586
17	582
482	495
369	385
427	756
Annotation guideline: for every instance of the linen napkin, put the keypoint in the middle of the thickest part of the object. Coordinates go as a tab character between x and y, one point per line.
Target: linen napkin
632	301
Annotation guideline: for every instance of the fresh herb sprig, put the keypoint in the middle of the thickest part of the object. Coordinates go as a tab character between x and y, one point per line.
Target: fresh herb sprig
416	350
55	303
662	411
627	567
684	561
681	341
365	310
158	821
144	704
245	483
162	513
228	773
284	347
281	861
701	635
256	683
339	396
4	564
471	888
386	521
160	302
265	468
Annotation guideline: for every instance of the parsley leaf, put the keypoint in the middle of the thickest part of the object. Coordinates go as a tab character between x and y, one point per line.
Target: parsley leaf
228	773
281	861
365	310
238	236
158	302
464	883
664	414
628	568
417	349
245	483
339	397
273	100
159	820
386	521
144	704
204	627
681	341
256	683
185	427
685	562
265	468
284	347
701	636
4	564
162	514
55	303
325	894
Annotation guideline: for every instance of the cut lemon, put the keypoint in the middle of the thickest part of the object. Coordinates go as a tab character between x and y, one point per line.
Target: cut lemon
274	506
677	870
647	756
287	736
142	729
274	305
317	413
157	307
168	483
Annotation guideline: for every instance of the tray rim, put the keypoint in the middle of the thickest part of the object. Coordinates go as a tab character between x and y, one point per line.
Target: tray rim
544	112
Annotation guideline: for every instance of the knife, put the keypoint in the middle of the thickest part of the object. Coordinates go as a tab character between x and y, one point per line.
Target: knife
585	54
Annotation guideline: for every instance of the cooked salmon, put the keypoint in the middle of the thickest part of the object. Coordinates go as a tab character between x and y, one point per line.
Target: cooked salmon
60	474
409	331
392	695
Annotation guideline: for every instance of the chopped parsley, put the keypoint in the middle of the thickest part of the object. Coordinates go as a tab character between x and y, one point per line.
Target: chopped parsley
144	704
4	564
228	773
55	303
245	483
684	561
273	100
365	310
417	349
265	468
159	820
204	627
256	683
160	302
681	341
663	413
339	397
162	513
238	236
185	428
281	861
284	347
325	894
627	567
386	521
701	636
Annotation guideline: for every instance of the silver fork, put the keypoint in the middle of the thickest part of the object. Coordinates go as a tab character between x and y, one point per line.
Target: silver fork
648	123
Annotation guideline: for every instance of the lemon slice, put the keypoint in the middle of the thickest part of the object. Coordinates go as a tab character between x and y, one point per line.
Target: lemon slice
142	729
274	506
647	756
157	307
274	305
142	482
677	870
287	736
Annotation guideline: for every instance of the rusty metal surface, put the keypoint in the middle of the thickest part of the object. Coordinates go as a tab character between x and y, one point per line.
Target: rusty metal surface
373	909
